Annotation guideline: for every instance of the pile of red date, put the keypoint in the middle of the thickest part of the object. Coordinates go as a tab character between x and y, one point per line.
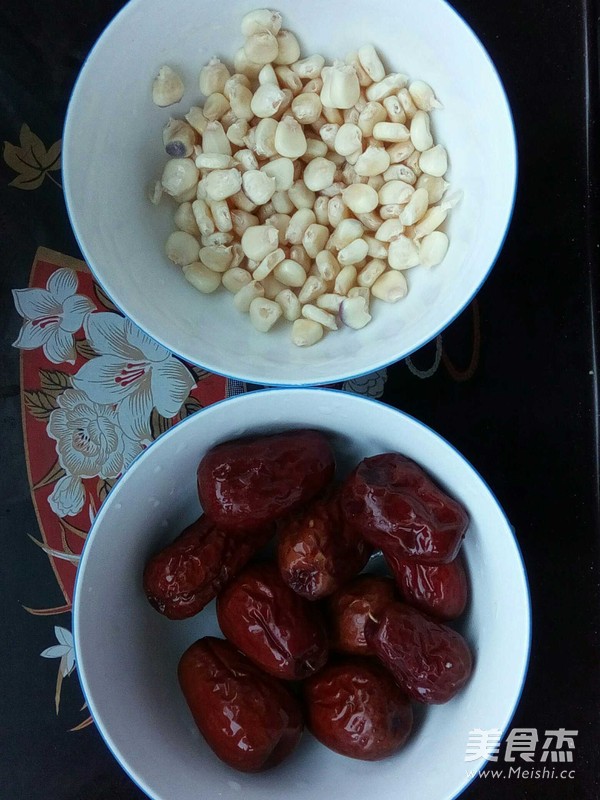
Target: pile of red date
308	640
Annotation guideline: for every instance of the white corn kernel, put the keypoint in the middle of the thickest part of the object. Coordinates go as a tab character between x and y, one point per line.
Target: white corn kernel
218	237
264	212
288	48
281	222
259	241
389	230
371	114
390	132
341	88
390	211
314	86
348	139
202	278
333	115
351	115
361	291
337	210
329	302
415	208
306	332
238	255
400	151
407	103
327	265
312	288
319	315
240	201
268	264
354	312
345	280
288	78
213	77
281	170
320	209
214	161
290	273
376	181
299	254
285	107
315	148
374	161
395	192
179	138
242	220
290	140
182	248
235	279
290	305
434	161
264	313
353	252
390	287
370	220
298	225
319	174
423	96
219	211
264	138
337	187
413	162
236	132
360	198
309	68
400	172
420	135
245	66
371	62
403	253
282	203
301	196
216	105
244	296
433	249
389	85
216	257
272	286
267	100
240	98
394	109
179	175
258	186
315	238
364	79
307	108
167	88
203	218
185	220
228	119
268	75
328	133
376	249
184	197
371	271
347	231
246	159
214	139
222	183
261	19
430	221
196	119
261	47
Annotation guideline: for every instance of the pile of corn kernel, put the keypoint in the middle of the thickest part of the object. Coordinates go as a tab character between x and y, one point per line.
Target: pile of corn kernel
305	190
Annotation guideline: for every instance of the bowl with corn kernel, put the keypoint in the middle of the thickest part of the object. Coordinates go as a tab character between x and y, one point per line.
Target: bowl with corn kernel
290	196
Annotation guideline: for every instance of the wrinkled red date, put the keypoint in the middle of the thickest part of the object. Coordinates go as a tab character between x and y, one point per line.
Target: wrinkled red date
357	709
318	551
396	506
351	606
253	481
250	720
429	660
437	589
188	573
276	628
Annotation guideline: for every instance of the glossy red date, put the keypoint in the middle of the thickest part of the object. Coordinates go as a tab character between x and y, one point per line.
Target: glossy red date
276	628
350	607
357	709
187	574
318	551
250	720
430	661
395	505
250	482
438	589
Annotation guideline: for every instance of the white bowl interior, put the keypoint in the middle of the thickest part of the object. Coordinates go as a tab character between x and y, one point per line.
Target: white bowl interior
113	150
127	653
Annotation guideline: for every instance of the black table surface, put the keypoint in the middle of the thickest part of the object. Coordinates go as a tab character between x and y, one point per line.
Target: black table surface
525	414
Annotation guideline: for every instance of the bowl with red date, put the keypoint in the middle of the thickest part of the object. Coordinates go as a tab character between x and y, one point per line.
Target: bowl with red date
300	592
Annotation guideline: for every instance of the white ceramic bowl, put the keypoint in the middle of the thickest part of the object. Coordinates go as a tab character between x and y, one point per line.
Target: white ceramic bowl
127	653
112	149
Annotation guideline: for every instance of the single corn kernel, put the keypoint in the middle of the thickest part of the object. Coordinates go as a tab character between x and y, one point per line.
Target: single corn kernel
370	272
394	109
360	198
241	202
288	48
213	77
299	254
235	279
314	86
285	107
354	312
246	159
244	296
203	218
403	253
188	195
374	161
196	119
345	280
290	140
258	186
389	230
315	148
353	252
341	88
238	256
288	78
182	248
265	212
267	100
400	151
423	96
390	287
236	132
306	332
430	221
299	224
319	315
337	211
352	115
261	19
282	203
319	174
389	85
301	196
259	241
400	172
420	135
433	249
395	192
320	209
216	106
329	302
281	170
218	237
390	211
390	132
312	288
290	305
244	66
214	139
272	286
202	278
407	103
328	266
371	63
185	220
167	88
333	115
290	273
337	187
434	161
268	264
348	139
222	183
413	163
264	138
415	208
216	257
309	68
214	161
346	232
179	176
370	220
376	249
307	108
371	114
179	138
328	132
315	238
261	47
219	211
240	98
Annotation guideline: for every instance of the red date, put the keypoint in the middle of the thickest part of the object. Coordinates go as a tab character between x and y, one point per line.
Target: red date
351	606
251	482
276	628
187	574
395	505
430	661
438	589
250	720
318	551
357	709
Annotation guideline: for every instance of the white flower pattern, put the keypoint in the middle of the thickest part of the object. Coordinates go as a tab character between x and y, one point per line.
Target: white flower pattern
64	650
52	315
371	385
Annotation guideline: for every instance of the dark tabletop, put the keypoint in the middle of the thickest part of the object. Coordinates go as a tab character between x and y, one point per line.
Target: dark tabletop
515	388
